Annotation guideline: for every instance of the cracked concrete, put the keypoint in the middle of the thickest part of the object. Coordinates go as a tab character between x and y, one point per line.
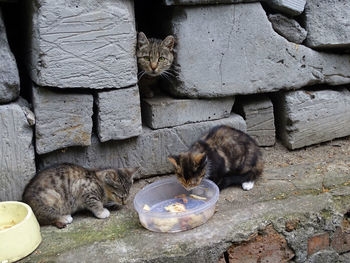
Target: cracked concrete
310	186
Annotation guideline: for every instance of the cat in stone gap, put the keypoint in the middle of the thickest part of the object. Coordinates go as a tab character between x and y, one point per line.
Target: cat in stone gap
154	59
54	194
224	155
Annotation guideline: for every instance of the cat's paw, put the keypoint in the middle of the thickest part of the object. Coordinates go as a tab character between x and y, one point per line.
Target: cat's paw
248	185
103	214
66	219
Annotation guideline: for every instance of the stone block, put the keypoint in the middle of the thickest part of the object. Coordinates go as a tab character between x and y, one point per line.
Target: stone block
310	117
17	157
288	28
289	7
205	2
259	116
162	112
62	119
9	79
327	23
82	44
317	243
119	114
149	151
242	54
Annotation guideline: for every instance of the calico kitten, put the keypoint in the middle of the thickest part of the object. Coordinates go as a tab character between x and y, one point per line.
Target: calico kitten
56	193
154	58
224	155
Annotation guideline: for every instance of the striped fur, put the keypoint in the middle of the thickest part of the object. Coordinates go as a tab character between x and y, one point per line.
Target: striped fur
154	59
57	192
225	155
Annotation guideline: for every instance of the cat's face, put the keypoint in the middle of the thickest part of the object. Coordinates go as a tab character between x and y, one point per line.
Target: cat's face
117	183
190	168
154	56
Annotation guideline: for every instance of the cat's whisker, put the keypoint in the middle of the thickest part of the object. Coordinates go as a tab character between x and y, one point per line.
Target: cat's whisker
141	75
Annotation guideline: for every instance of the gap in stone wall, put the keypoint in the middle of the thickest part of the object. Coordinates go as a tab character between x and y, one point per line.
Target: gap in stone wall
13	14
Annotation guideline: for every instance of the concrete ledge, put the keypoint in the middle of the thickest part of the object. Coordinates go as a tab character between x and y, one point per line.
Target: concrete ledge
292	199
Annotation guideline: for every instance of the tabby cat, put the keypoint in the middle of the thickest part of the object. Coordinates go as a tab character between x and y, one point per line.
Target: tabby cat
56	193
154	58
224	155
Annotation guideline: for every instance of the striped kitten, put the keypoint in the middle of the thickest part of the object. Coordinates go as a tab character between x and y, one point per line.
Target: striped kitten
224	155
154	59
56	193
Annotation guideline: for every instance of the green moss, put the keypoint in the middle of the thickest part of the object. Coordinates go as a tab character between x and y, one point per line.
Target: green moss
75	236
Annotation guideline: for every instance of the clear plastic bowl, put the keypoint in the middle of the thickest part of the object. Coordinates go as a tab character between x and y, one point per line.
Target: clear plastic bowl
152	199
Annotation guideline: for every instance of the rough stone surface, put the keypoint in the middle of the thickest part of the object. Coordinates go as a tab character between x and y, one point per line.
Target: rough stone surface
119	114
267	246
242	54
288	28
327	23
309	117
205	2
62	120
325	256
17	158
317	243
341	238
9	79
259	116
164	112
284	193
149	151
82	44
290	7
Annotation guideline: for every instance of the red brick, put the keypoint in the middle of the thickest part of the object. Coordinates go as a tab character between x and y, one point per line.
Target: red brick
267	246
341	240
317	243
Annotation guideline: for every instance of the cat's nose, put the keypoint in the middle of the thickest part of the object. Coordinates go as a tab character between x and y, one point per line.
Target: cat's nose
153	65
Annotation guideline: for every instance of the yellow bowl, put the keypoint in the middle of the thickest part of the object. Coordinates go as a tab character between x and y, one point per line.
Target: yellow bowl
19	231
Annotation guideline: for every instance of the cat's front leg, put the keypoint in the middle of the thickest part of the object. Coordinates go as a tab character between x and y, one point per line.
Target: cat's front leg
96	207
248	185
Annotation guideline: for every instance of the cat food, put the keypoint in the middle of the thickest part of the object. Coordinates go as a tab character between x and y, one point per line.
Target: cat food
175	208
198	197
11	224
171	208
146	207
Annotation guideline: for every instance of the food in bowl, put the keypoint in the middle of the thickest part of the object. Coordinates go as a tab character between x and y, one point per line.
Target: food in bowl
166	206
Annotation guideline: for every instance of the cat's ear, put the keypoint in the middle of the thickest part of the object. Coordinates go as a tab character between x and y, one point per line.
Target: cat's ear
132	171
142	40
174	160
200	159
169	42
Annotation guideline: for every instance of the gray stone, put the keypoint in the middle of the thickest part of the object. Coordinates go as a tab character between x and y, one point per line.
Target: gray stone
119	114
327	23
62	120
205	2
164	112
290	7
324	256
149	151
82	44
310	117
9	79
17	157
242	54
288	28
258	114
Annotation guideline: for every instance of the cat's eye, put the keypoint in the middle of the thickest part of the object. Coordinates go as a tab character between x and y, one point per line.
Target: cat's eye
161	59
146	58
